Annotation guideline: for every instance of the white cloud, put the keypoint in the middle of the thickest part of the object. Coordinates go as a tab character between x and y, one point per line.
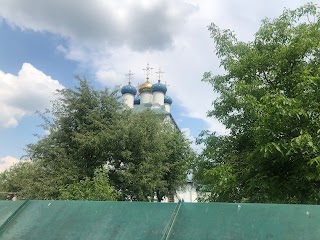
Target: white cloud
188	135
25	93
140	25
108	77
7	162
111	37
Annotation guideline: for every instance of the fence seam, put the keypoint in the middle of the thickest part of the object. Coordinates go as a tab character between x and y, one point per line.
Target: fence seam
13	215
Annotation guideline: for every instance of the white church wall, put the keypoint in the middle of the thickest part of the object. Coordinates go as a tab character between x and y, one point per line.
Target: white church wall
187	193
167	107
145	97
158	98
128	99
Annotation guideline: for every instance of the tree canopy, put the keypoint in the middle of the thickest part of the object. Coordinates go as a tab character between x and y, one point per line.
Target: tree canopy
97	149
269	99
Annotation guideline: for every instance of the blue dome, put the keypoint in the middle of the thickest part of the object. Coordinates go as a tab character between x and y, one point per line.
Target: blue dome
136	100
167	100
129	89
159	87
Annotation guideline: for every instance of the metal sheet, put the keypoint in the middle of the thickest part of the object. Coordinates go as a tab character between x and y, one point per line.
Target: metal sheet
141	220
7	209
246	221
89	220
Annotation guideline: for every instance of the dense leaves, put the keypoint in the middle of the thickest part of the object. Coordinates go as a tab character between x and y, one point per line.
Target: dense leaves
97	149
150	158
35	180
96	188
269	99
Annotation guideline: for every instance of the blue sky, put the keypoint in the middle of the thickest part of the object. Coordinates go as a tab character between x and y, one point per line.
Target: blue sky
44	44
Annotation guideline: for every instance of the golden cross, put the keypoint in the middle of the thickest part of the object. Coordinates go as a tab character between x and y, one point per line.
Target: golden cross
159	73
129	75
147	71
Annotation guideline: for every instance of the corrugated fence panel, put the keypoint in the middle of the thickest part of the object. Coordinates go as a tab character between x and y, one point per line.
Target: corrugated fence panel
89	220
7	209
224	221
33	220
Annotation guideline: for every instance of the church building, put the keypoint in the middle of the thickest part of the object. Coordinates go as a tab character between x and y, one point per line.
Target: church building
154	97
149	96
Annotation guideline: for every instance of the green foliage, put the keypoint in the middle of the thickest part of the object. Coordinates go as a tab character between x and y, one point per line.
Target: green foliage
81	126
149	158
35	180
269	100
97	188
90	130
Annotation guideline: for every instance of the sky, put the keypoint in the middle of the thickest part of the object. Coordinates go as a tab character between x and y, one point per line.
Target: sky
44	44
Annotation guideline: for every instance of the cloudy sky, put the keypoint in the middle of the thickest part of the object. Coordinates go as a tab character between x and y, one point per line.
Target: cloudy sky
44	44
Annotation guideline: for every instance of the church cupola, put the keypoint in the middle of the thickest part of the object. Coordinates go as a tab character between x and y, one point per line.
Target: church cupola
159	90
129	89
136	100
159	87
145	88
128	92
167	103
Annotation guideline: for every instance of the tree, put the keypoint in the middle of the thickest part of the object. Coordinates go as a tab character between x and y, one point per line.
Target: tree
269	100
35	180
151	159
96	188
81	125
90	130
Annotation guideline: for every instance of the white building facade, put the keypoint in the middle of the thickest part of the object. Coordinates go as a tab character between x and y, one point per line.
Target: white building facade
153	96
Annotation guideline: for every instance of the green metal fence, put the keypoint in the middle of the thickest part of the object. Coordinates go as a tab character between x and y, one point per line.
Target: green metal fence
139	220
247	221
